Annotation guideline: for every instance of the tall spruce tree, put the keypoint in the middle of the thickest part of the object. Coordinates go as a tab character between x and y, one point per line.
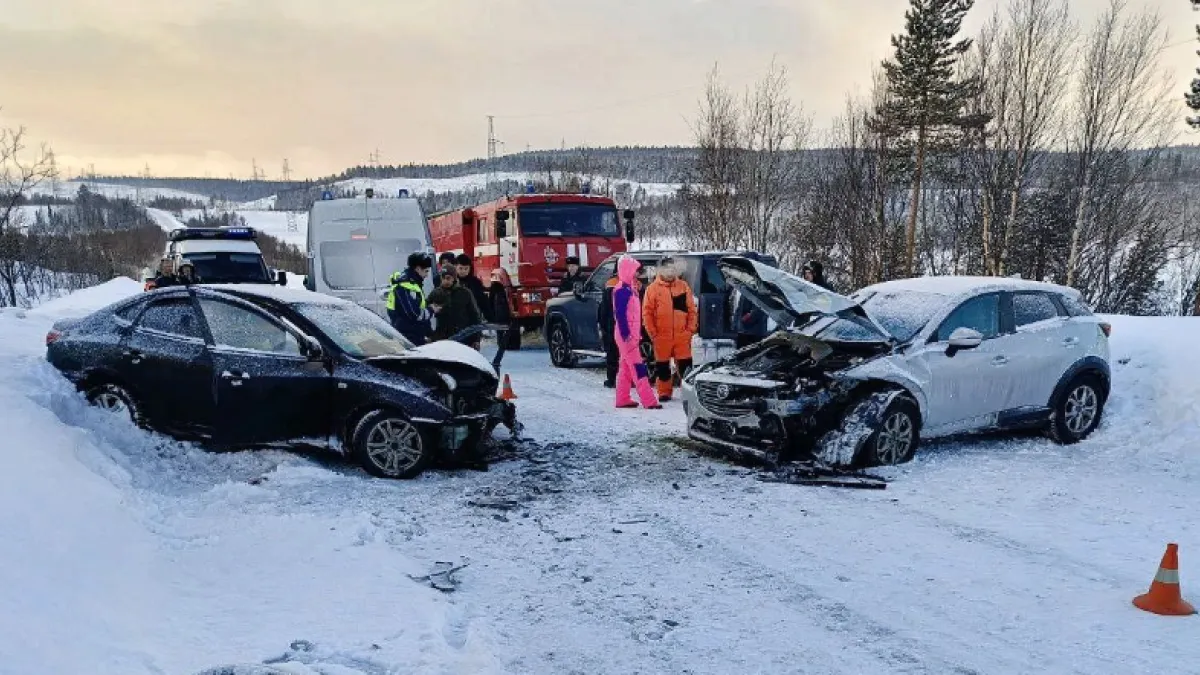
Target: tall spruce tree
1193	99
926	100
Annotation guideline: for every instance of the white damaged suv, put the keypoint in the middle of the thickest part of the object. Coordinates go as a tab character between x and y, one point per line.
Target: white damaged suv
861	380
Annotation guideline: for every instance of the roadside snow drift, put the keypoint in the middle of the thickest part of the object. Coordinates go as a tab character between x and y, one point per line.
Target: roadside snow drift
604	547
126	553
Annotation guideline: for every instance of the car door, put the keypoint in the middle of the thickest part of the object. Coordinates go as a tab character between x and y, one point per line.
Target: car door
966	387
163	358
713	301
1044	347
267	391
583	311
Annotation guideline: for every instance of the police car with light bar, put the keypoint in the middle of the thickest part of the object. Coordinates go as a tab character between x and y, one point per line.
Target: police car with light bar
222	255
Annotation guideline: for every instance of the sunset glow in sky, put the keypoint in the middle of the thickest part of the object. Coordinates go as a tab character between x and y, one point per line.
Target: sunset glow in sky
195	87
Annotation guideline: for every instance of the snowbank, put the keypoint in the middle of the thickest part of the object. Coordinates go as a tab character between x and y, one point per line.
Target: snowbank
89	300
127	553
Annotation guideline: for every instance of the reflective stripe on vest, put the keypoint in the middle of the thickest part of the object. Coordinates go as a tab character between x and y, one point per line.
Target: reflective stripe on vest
408	286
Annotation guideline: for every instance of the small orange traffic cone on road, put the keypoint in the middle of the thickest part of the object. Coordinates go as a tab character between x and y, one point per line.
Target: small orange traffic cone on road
506	394
1164	597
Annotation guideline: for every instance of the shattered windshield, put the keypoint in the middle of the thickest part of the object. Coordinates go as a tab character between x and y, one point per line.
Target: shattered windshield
357	331
902	313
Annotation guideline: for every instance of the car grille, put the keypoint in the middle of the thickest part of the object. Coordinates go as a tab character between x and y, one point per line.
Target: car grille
728	400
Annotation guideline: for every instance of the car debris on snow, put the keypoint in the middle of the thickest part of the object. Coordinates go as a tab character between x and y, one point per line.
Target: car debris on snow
815	473
442	577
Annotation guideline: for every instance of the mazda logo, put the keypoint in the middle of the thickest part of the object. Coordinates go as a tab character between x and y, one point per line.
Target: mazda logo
722	392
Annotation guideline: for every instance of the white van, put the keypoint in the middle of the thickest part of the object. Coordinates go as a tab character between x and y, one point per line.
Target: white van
355	244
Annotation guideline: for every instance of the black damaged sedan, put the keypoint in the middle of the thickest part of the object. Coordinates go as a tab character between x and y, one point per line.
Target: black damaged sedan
260	366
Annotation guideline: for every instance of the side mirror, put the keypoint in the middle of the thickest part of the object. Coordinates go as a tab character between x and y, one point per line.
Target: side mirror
281	277
502	216
312	348
629	233
578	290
963	338
501	229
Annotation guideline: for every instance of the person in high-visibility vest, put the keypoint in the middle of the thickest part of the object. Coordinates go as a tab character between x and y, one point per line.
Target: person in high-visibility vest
406	305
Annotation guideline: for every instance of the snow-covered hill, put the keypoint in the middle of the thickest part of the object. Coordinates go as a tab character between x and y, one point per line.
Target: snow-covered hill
68	189
604	547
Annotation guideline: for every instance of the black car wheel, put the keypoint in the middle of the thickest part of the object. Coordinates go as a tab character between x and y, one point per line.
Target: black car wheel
1078	410
647	349
883	428
388	445
115	399
895	439
560	346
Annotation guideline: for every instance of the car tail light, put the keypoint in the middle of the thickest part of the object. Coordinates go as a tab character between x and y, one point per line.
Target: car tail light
52	336
1106	328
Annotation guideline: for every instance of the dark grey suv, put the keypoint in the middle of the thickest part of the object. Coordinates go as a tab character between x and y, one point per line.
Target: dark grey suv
572	325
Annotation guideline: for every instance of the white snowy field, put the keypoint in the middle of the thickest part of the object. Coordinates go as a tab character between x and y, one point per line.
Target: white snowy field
613	550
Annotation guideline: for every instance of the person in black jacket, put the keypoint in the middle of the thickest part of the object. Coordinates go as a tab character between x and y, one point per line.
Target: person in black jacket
444	260
573	276
406	307
466	276
608	324
501	313
814	272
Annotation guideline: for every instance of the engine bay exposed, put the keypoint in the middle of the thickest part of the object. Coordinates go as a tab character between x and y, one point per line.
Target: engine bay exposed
788	356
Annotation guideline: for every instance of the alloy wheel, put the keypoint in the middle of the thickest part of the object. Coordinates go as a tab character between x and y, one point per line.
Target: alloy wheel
1081	408
560	350
394	445
110	401
895	439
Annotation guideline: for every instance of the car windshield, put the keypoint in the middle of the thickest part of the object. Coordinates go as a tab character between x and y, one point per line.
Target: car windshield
560	219
902	313
356	331
229	268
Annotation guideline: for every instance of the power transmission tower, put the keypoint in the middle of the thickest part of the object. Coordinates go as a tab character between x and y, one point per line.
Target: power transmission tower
53	174
256	173
491	150
292	225
143	183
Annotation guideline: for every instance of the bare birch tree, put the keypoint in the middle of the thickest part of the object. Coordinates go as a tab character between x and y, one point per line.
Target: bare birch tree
711	196
773	131
1122	103
1023	59
20	172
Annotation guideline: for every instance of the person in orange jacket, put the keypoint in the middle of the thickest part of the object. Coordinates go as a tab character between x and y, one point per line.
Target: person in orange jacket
671	319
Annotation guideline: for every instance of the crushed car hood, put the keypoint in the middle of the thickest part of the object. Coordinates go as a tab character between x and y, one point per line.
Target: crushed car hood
444	351
789	300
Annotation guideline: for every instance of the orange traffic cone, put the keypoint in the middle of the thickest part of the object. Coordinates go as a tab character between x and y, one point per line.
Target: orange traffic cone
506	394
1164	597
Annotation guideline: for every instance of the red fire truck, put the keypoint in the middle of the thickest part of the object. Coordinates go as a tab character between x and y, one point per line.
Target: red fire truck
528	237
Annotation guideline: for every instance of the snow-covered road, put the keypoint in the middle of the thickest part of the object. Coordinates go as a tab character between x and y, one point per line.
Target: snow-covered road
604	548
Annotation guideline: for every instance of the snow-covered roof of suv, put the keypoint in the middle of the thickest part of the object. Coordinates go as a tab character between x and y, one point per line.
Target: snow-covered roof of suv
954	286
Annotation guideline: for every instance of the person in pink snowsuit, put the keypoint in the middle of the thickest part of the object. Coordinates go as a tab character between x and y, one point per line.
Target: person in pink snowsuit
627	312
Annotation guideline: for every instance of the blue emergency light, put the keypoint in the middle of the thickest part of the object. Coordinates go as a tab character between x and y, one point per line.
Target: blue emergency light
186	233
585	188
326	196
403	194
529	189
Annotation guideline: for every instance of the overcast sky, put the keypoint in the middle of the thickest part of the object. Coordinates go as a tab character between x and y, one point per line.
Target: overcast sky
195	87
